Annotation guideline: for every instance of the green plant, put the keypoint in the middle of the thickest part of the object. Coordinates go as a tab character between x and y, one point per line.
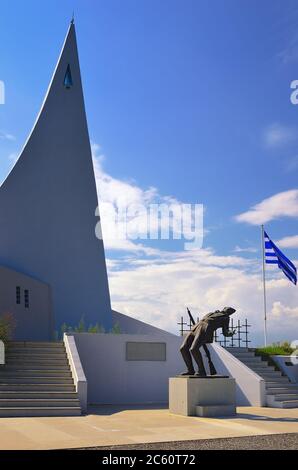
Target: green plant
81	328
276	349
96	329
7	327
116	330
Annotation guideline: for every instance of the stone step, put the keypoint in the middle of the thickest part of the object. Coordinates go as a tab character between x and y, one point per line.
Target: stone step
38	402
251	360
40	411
278	388
281	388
37	387
32	395
272	374
284	396
35	366
261	367
273	378
277	382
245	356
18	373
215	410
36	344
240	352
265	374
237	349
253	364
35	352
36	380
283	404
289	403
27	358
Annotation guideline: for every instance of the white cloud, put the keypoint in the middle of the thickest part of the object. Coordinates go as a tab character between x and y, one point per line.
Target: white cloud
284	204
248	249
157	290
155	285
280	310
277	135
6	136
288	242
114	194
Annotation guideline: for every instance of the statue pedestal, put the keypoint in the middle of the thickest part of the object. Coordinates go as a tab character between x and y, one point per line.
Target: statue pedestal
202	396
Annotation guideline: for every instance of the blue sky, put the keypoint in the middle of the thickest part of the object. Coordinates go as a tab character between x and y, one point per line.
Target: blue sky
191	97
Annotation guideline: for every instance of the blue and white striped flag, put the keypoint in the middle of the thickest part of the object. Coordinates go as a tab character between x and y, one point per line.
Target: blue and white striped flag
273	255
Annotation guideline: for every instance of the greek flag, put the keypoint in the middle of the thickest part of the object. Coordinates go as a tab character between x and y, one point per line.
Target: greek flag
273	255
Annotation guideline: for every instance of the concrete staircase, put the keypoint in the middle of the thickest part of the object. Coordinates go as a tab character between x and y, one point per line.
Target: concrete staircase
281	393
36	381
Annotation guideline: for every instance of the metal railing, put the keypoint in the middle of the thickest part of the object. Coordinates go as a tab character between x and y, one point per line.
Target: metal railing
240	338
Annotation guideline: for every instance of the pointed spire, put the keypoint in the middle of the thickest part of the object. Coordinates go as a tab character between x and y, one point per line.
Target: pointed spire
52	190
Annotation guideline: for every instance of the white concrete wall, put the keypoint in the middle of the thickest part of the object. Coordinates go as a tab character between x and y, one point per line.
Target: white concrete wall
36	322
2	353
77	370
112	379
250	387
290	370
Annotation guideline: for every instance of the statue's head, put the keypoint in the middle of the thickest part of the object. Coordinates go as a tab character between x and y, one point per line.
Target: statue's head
229	310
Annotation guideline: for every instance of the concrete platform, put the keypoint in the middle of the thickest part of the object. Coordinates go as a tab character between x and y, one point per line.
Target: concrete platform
116	425
206	396
215	410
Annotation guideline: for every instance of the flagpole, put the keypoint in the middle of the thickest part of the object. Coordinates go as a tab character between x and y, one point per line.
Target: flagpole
264	286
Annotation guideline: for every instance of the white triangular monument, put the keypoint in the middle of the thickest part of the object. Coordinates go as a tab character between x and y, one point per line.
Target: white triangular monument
48	204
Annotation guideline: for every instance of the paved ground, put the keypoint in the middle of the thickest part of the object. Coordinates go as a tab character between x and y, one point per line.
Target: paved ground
123	425
268	442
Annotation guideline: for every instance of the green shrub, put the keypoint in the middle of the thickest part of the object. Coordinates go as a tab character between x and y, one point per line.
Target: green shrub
276	349
96	329
81	328
7	327
116	330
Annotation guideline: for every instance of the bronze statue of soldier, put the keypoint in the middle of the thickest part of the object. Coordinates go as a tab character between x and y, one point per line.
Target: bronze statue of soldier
201	334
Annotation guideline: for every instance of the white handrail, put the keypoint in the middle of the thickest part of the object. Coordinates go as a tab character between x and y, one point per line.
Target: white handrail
2	352
77	371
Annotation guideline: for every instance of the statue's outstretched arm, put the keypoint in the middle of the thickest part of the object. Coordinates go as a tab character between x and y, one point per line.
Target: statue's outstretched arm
225	330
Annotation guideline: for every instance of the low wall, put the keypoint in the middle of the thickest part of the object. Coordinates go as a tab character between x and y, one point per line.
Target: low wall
114	380
76	368
114	377
2	353
288	365
250	387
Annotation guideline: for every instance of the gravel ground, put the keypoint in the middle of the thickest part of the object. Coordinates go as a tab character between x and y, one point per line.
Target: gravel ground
267	442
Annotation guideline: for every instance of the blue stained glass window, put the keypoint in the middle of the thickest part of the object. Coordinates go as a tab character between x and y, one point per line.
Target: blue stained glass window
68	78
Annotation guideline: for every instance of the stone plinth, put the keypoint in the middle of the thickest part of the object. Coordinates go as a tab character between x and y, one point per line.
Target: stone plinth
197	396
